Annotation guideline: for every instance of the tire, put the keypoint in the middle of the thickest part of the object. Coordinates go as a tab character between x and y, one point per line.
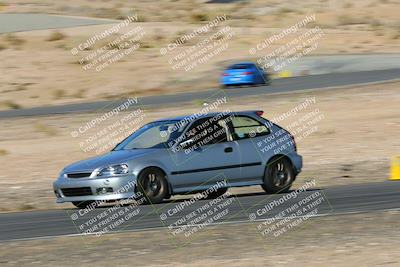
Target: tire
153	185
279	176
217	193
83	204
265	82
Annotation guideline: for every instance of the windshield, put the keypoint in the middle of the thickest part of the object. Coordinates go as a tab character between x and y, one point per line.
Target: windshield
159	134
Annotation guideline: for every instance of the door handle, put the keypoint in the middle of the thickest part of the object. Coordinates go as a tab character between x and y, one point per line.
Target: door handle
228	150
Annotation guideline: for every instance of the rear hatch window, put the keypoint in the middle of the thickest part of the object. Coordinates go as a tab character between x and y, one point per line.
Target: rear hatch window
239	67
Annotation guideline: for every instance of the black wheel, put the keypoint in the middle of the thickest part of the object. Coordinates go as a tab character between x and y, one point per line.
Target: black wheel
153	185
217	193
265	82
278	176
84	204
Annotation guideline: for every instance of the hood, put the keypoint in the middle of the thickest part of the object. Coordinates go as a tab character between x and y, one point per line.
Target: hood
112	157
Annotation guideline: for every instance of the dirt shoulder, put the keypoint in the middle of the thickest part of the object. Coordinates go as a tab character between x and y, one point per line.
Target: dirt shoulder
352	143
365	239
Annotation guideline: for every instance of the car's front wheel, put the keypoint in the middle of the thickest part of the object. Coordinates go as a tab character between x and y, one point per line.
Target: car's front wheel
279	176
153	185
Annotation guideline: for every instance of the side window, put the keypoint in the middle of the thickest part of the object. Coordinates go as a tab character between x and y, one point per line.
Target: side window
246	127
207	131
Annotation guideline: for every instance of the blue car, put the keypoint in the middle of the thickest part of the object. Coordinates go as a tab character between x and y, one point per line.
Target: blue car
187	154
246	73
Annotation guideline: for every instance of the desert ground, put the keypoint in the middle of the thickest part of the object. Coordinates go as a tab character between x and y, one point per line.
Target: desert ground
369	239
353	139
353	142
42	71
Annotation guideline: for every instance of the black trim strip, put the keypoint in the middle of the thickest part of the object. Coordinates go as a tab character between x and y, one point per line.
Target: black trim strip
253	181
217	168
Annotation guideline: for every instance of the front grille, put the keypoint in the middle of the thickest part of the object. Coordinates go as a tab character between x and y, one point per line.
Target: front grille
76	192
79	175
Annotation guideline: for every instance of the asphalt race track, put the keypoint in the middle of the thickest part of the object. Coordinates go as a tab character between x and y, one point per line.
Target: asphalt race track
278	86
337	200
14	22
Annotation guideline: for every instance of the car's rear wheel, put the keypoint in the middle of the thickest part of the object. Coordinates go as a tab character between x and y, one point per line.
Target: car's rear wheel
84	204
279	176
217	193
153	185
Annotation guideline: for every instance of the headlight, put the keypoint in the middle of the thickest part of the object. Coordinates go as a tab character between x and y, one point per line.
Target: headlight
63	174
114	170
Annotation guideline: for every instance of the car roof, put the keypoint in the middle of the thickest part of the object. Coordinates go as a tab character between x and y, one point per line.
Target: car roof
211	114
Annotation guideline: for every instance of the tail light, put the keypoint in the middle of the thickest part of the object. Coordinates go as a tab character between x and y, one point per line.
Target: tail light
259	113
247	73
225	74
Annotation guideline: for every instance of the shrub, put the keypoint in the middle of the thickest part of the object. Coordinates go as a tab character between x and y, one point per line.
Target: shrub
59	93
285	10
343	20
109	13
3	152
199	17
56	36
42	128
10	104
14	40
80	93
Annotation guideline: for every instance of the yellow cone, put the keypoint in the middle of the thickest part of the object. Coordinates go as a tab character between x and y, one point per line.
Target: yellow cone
395	168
285	74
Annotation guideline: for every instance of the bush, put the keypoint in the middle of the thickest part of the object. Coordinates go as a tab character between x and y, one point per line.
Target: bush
79	94
59	93
10	104
3	152
285	10
343	20
56	36
199	17
109	13
42	128
14	40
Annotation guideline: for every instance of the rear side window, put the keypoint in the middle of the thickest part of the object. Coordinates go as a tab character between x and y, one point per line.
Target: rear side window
240	67
207	131
246	127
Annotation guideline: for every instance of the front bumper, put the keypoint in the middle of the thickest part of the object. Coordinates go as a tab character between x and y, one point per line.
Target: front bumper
123	187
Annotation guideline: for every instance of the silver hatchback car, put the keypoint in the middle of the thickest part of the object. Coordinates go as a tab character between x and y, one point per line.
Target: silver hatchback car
186	154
